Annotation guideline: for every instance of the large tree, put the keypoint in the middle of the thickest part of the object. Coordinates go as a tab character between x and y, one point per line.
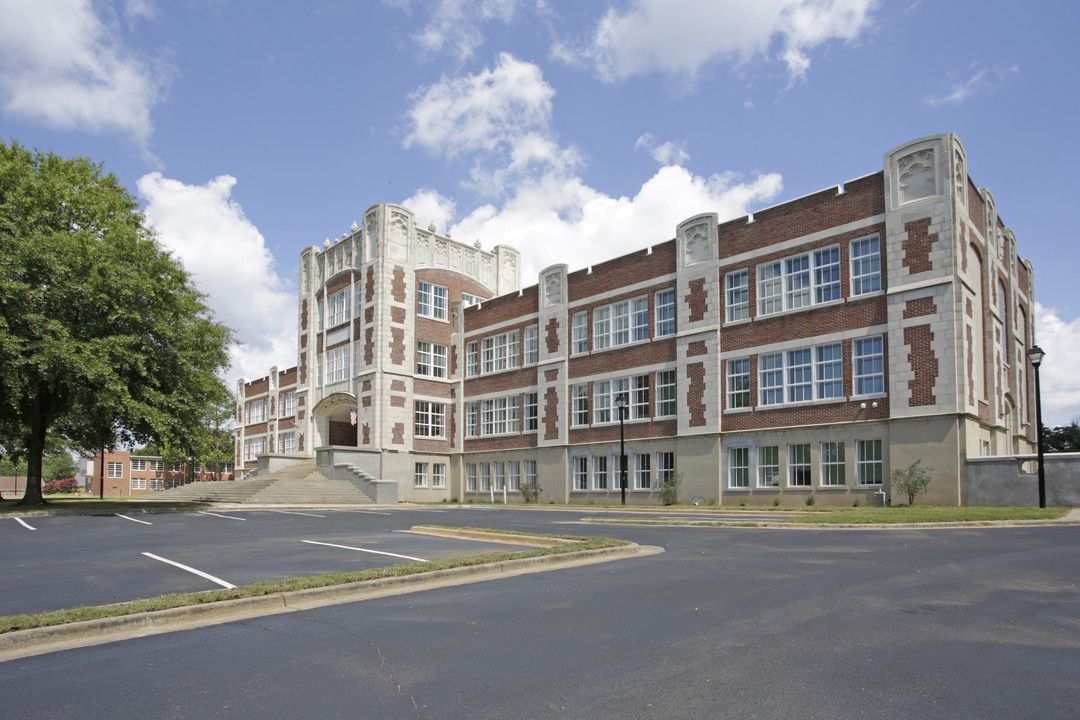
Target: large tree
103	336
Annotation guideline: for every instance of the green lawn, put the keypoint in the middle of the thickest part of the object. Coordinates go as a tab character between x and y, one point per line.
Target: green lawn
76	505
925	514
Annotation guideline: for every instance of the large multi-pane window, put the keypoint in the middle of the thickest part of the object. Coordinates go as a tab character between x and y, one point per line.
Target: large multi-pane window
472	360
159	465
338	307
431	300
438	475
138	483
472	420
605	392
639	397
420	476
865	266
869	359
800	375
665	313
665	394
738	383
579	326
500	475
430	359
621	323
485	476
532	345
470	477
532	409
499	416
600	474
288	404
530	472
665	467
253	447
513	469
138	464
642	471
287	443
580	410
500	352
255	412
868	462
430	419
799	281
771	379
581	472
337	363
832	464
813	373
737	295
799	465
829	371
768	466
116	470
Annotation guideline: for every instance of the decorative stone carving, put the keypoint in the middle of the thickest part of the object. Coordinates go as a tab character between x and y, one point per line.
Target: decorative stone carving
326	244
455	257
399	236
486	269
697	244
305	273
354	227
916	175
552	289
509	271
423	255
431	226
441	252
476	244
372	230
470	263
961	176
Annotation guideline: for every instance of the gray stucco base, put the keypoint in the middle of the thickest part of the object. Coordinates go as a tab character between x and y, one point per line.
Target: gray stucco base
1013	481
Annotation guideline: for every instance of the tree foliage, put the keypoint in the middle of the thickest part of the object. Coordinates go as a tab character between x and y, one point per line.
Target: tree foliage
912	481
103	336
1063	438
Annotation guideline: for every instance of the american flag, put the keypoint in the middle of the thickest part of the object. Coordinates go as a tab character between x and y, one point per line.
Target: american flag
352	417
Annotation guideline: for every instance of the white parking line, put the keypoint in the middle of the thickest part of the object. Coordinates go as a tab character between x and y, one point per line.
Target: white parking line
192	570
133	519
293	512
375	552
23	523
368	512
227	517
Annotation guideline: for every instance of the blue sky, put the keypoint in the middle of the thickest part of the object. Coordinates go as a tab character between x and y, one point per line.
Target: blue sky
575	131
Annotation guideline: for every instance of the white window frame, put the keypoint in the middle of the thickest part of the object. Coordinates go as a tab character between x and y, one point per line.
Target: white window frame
665	468
420	475
530	471
665	313
869	463
829	371
337	364
639	397
287	442
157	484
470	477
472	360
799	465
500	352
865	265
800	375
600	472
255	412
431	300
832	464
115	470
138	483
666	394
430	359
532	344
532	411
485	476
579	412
737	295
579	325
799	281
499	472
288	403
337	308
468	299
642	471
438	475
429	419
138	464
868	372
768	474
159	465
579	473
738	383
472	420
621	323
513	475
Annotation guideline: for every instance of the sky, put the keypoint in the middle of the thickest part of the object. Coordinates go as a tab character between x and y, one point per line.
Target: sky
573	131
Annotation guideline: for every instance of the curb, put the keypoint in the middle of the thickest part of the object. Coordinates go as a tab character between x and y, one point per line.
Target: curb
37	641
959	525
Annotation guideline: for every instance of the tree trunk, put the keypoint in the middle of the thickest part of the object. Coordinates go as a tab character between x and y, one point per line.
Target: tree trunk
34	452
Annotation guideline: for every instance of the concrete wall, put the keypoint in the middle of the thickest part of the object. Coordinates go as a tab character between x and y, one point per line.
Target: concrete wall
1014	481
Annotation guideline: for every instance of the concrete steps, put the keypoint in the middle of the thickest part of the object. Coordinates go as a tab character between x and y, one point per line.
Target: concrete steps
297	484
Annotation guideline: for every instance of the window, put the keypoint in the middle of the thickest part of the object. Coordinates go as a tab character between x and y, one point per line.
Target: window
865	266
620	323
159	465
530	472
799	465
485	476
580	327
869	366
737	289
665	394
138	464
431	300
287	443
513	469
532	413
430	419
255	412
599	472
420	477
137	483
814	373
580	413
771	379
581	472
799	281
532	345
500	352
829	374
320	312
500	415
338	308
468	299
116	470
639	397
253	447
438	475
868	465
337	364
472	360
471	420
500	475
430	359
174	467
800	375
470	477
768	466
318	369
618	465
738	383
157	484
832	464
665	467
288	403
642	471
665	313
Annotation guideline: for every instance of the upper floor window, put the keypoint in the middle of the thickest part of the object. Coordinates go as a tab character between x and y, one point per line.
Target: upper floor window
621	323
604	394
255	412
666	405
865	266
738	383
532	345
472	360
468	299
813	373
737	298
430	359
799	281
337	363
580	329
116	470
138	464
500	352
869	375
288	404
338	308
431	300
665	313
430	419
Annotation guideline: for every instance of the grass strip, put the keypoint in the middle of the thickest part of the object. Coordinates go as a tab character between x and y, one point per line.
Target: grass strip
90	506
12	623
927	514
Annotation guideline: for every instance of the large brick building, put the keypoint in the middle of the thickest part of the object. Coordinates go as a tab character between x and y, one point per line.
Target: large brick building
805	349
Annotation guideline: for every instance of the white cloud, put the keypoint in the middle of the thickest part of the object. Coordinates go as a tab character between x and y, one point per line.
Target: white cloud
981	79
454	27
1060	338
61	65
668	153
229	260
681	37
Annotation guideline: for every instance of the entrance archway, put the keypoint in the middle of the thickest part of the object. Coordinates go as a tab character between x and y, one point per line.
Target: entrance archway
335	416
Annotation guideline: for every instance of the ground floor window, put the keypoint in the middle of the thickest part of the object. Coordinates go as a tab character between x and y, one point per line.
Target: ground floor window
530	471
832	464
438	475
769	466
665	467
138	484
799	465
500	475
421	474
485	476
739	467
600	478
157	484
868	462
514	468
642	471
470	477
581	472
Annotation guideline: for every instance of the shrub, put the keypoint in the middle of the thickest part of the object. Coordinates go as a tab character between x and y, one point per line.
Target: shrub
913	480
530	491
53	487
776	502
669	491
810	500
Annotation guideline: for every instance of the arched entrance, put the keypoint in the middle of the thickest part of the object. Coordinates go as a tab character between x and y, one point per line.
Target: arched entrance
335	419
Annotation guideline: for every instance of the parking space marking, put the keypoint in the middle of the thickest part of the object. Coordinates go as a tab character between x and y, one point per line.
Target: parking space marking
227	517
133	519
192	570
367	512
294	512
23	523
375	552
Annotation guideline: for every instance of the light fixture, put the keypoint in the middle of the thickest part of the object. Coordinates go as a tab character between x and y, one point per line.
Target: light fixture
1036	355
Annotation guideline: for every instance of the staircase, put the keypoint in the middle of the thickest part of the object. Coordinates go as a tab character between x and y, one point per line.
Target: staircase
297	484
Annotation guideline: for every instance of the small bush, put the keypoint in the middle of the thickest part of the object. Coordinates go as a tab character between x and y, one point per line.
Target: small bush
810	500
54	487
776	502
913	480
669	491
857	503
530	491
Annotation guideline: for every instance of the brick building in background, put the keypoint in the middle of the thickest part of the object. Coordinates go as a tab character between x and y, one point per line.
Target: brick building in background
806	349
127	474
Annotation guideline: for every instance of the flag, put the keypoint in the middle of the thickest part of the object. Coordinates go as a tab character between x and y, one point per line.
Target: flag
352	417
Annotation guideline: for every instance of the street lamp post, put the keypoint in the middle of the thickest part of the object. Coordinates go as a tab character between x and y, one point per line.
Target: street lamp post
620	403
1036	355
